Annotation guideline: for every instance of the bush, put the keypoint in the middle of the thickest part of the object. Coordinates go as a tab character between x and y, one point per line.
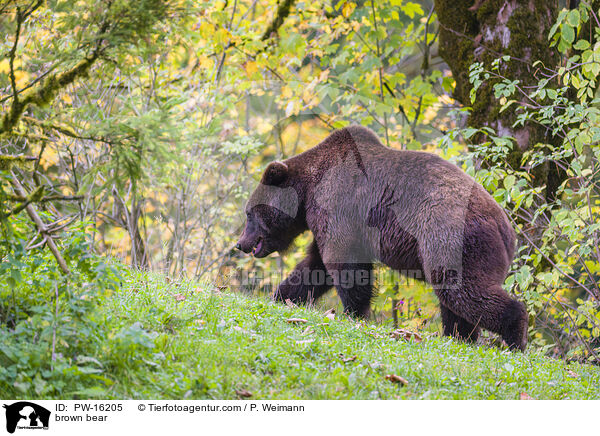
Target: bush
48	331
557	267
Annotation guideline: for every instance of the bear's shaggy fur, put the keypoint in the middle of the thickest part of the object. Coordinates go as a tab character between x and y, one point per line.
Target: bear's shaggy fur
410	210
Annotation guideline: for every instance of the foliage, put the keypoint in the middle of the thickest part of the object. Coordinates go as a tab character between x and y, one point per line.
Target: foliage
46	319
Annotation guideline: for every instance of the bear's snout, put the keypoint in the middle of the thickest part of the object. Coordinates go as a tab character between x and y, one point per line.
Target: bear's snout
243	246
255	247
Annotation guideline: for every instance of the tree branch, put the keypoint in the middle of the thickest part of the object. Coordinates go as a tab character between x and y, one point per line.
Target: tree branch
66	130
11	58
40	225
45	92
8	161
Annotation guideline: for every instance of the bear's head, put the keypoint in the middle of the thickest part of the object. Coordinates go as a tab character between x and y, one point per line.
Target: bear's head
272	214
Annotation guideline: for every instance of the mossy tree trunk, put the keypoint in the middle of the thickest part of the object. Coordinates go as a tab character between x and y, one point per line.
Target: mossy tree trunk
482	31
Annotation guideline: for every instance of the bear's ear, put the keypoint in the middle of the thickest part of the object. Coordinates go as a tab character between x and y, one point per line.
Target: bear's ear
275	174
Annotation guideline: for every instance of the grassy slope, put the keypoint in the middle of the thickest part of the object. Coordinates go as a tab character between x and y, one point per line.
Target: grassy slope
211	344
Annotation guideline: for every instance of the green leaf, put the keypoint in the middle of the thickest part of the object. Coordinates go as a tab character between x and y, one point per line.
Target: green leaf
412	9
509	181
468	132
573	18
507	105
582	44
473	94
552	31
568	34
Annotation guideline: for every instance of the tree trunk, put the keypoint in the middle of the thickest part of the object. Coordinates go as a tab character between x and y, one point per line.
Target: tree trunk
130	221
482	31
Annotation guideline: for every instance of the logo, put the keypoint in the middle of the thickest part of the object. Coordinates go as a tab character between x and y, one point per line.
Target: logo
26	415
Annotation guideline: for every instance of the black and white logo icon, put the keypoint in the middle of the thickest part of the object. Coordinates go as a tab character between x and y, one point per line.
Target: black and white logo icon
26	415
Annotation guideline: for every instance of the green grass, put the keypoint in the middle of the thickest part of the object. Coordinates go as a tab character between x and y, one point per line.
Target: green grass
156	339
192	341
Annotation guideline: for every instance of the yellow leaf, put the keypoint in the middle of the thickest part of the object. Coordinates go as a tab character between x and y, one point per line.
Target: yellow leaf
348	9
4	66
49	158
221	36
21	77
206	29
251	68
263	126
67	98
205	62
286	92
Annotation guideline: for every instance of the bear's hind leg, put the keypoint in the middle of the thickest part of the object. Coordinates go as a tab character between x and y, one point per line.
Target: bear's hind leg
514	325
307	282
491	308
458	327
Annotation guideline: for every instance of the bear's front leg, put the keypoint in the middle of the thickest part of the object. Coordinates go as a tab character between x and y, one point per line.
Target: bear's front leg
307	282
354	284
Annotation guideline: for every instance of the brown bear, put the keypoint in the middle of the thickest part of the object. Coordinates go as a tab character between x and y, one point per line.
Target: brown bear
410	210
